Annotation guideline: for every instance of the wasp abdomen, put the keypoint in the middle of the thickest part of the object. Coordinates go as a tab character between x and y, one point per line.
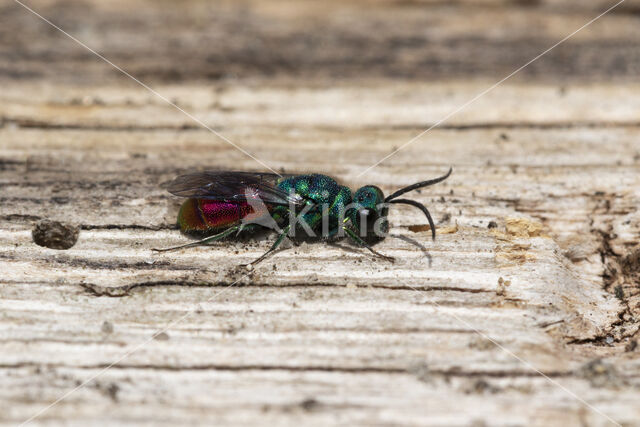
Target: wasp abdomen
211	215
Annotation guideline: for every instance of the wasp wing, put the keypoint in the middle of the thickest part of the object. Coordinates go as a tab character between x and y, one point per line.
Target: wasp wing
232	186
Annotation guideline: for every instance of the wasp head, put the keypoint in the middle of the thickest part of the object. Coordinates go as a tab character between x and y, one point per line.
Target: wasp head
369	212
369	208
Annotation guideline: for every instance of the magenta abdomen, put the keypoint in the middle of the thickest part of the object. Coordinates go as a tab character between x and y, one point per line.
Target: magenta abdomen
211	215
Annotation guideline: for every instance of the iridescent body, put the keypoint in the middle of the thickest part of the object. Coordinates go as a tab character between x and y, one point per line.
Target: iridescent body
227	202
322	192
203	215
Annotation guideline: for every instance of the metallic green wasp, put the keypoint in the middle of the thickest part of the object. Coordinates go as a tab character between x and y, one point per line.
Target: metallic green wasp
222	203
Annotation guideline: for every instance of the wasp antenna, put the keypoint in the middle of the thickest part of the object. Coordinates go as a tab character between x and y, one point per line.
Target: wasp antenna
424	210
419	185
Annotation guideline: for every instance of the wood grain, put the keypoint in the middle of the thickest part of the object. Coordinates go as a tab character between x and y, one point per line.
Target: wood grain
319	333
224	40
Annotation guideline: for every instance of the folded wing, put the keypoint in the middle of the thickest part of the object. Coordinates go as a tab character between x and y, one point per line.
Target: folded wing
232	186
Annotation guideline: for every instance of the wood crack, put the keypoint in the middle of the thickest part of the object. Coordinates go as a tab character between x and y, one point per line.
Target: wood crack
249	282
44	125
453	372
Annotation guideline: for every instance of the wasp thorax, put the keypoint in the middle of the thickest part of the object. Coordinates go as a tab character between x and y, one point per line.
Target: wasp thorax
368	213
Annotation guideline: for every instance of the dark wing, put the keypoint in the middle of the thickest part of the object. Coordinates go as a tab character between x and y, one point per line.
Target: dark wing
232	186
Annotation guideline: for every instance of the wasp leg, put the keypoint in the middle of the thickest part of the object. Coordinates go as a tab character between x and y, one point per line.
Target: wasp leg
275	245
362	243
204	241
334	234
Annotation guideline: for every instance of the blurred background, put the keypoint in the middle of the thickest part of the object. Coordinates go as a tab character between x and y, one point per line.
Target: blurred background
328	41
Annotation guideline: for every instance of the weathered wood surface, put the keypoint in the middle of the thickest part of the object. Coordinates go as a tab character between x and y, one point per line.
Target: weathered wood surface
322	334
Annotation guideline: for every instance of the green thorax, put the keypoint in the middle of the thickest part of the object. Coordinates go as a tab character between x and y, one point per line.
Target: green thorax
323	192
